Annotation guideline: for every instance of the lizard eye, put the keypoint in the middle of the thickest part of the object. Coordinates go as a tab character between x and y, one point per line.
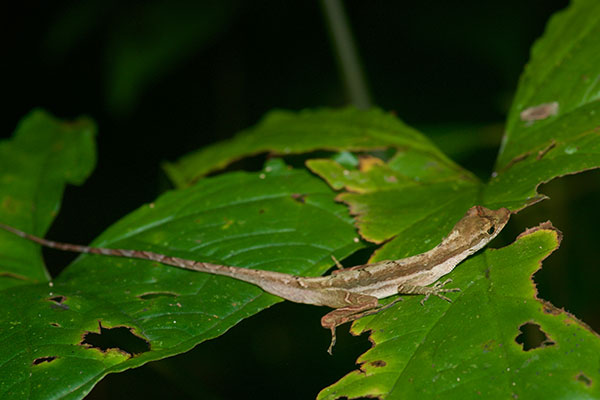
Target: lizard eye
491	230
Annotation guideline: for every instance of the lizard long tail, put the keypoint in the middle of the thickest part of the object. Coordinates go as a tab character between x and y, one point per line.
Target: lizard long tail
280	284
140	254
58	245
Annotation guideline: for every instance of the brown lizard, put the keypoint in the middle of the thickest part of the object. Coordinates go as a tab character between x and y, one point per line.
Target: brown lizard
352	292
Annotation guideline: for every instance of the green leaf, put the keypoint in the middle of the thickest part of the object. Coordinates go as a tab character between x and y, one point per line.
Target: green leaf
471	348
412	199
570	144
561	82
283	220
44	155
284	132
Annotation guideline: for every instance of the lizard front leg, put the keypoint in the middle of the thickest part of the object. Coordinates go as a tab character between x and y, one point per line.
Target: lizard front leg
437	289
358	306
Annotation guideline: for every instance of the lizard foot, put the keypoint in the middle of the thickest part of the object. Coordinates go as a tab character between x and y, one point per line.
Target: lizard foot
339	316
437	289
333	339
337	263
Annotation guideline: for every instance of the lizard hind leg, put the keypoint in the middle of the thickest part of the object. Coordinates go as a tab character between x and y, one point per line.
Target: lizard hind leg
366	305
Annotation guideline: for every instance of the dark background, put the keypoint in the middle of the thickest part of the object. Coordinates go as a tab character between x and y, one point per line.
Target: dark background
162	79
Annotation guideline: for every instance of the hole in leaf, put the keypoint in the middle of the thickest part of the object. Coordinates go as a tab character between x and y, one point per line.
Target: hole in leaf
532	337
120	338
57	299
154	295
581	377
491	230
40	360
57	302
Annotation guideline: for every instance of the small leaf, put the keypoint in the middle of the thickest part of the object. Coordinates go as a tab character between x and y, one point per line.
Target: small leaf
570	144
43	156
412	198
284	132
471	348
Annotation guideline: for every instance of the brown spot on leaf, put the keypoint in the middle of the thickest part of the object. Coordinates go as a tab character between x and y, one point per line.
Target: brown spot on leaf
120	338
489	346
378	363
40	360
9	203
551	309
512	162
55	324
154	295
12	276
300	198
533	337
581	377
545	150
540	112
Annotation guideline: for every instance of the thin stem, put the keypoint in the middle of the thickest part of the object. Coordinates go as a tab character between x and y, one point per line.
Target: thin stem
347	55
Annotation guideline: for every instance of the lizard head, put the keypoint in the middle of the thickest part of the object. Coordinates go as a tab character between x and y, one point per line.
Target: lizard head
480	225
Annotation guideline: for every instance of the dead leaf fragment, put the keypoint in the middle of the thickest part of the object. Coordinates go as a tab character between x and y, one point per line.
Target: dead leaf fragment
540	112
366	163
543	226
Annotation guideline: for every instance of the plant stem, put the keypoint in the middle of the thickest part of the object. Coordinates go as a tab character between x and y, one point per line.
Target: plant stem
347	54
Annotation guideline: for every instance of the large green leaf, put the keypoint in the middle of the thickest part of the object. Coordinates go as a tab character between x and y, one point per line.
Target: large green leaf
473	347
561	82
44	155
280	219
284	132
